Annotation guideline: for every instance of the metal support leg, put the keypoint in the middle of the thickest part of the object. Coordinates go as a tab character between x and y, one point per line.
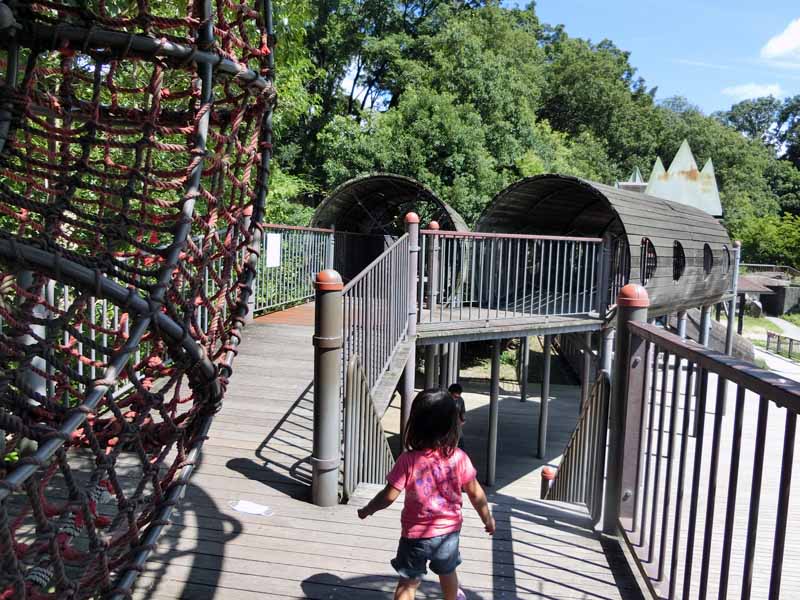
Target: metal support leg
586	375
494	397
545	400
430	366
410	372
444	364
325	456
524	367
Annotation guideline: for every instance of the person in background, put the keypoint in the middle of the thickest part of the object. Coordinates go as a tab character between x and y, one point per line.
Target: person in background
433	472
456	392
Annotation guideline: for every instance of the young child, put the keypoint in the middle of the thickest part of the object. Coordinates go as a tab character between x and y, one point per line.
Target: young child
456	391
432	472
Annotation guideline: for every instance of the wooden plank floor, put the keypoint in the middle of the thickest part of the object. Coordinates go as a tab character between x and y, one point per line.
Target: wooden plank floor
258	450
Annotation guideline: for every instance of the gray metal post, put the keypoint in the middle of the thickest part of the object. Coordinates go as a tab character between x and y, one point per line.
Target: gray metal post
430	366
544	404
494	397
607	348
328	325
586	376
682	324
444	364
455	354
251	299
412	227
625	409
737	252
330	258
524	369
433	270
740	323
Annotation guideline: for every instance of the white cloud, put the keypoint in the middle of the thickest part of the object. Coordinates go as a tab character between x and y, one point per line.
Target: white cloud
746	91
784	48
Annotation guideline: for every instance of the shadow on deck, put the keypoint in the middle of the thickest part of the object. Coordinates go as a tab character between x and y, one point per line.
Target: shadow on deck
258	451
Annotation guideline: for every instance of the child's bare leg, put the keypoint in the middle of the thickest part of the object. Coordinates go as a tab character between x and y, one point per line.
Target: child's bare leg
449	585
406	589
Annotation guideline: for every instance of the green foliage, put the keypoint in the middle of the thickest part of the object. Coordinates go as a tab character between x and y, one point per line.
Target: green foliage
771	239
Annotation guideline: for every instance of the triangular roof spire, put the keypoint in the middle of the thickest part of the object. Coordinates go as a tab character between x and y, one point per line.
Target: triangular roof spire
658	169
683	161
636	176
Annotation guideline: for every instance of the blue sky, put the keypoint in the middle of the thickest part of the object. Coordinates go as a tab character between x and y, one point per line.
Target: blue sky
715	53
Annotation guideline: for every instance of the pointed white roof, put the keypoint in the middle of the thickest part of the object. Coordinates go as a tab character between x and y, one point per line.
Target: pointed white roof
636	176
683	182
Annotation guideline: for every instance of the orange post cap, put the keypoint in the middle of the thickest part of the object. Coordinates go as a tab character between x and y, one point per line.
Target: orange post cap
434	226
549	473
633	295
412	218
329	281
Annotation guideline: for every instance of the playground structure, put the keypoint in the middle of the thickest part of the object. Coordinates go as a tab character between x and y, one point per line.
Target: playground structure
134	155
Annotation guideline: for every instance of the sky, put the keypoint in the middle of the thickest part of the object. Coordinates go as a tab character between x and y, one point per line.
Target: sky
715	53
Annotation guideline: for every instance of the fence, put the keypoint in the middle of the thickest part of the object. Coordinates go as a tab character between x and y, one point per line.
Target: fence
290	257
702	514
783	271
376	311
579	478
367	455
477	276
779	340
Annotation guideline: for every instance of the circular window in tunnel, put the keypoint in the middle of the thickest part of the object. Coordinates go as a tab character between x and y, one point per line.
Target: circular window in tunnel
726	259
708	259
649	260
678	260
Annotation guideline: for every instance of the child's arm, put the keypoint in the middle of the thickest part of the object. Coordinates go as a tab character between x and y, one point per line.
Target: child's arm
481	505
382	499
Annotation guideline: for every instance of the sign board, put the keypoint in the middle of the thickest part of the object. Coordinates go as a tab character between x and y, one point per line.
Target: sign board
273	250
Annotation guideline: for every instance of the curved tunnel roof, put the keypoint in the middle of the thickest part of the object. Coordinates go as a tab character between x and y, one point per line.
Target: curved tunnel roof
378	203
562	205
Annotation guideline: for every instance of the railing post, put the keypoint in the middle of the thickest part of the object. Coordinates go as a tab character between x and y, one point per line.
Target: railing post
586	375
326	456
625	409
432	351
524	369
604	278
737	256
251	299
330	258
412	227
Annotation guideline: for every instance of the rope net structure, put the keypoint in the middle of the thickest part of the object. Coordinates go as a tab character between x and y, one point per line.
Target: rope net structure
135	138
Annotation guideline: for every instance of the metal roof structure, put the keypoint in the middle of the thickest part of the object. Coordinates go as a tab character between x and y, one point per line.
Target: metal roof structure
377	204
684	183
567	206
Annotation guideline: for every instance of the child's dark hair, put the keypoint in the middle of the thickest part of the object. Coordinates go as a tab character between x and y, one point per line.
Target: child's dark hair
455	388
433	423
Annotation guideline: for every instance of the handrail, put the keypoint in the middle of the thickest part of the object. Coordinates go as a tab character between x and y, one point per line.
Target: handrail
766	268
579	477
297	228
779	338
784	392
365	272
367	455
693	477
511	236
376	313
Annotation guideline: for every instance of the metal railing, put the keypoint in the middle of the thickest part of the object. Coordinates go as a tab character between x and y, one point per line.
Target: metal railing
289	258
784	345
480	276
783	270
367	455
705	505
580	475
376	309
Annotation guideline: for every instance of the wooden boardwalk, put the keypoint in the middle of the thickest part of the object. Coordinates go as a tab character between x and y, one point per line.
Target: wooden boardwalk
258	451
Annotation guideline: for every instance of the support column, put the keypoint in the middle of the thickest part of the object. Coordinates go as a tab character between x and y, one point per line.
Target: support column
524	369
328	325
586	375
409	375
544	405
625	409
607	348
682	324
430	366
444	365
455	364
494	398
737	251
247	216
740	324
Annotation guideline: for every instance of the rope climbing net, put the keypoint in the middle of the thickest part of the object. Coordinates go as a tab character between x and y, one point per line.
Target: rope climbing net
135	138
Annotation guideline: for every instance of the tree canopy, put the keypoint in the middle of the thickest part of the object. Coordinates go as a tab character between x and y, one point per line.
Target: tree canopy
467	96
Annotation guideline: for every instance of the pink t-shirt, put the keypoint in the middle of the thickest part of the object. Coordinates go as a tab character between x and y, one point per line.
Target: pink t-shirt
432	483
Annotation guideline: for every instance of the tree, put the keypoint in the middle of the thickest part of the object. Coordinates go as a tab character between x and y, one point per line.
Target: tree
757	118
789	124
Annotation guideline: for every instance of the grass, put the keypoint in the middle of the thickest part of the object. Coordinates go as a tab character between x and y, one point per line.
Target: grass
793	318
757	327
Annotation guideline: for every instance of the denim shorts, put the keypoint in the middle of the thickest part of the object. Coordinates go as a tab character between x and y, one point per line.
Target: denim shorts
414	554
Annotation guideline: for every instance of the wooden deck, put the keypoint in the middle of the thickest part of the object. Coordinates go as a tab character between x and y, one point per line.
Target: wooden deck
259	450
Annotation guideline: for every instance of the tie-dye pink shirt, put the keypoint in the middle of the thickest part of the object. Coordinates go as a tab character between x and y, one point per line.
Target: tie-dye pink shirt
432	483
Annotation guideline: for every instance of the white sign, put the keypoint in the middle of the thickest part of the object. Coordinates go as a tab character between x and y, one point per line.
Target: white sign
273	249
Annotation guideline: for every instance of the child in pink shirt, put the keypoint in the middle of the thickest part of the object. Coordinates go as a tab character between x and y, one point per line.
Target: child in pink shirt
432	472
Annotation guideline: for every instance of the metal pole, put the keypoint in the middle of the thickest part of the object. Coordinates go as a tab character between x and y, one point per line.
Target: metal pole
494	396
524	366
545	400
586	376
325	457
740	324
433	270
330	259
682	324
251	299
430	366
607	348
412	227
444	363
737	251
625	409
